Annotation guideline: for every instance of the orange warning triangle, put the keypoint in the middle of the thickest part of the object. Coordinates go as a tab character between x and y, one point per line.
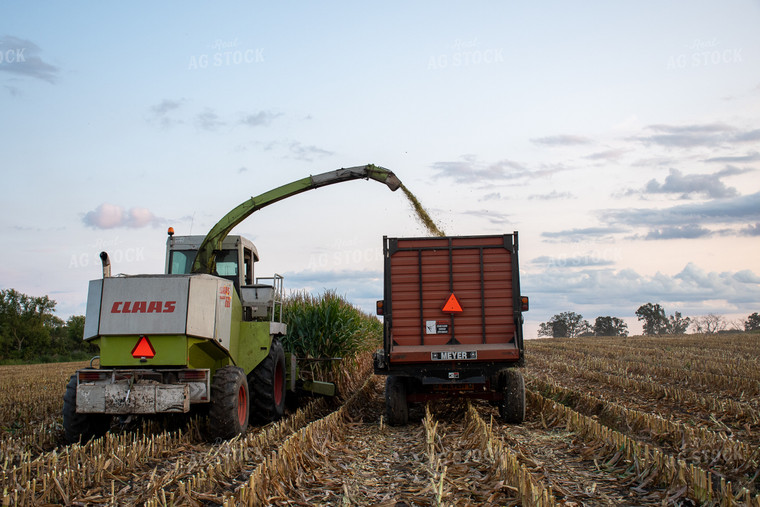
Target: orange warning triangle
143	348
452	305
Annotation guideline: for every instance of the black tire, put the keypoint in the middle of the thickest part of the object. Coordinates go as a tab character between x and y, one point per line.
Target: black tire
396	405
81	427
267	383
512	407
230	403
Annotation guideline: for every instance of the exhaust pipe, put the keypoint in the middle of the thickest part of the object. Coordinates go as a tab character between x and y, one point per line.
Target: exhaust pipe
106	264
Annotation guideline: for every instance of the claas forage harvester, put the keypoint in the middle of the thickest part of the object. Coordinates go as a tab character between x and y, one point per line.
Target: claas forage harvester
205	334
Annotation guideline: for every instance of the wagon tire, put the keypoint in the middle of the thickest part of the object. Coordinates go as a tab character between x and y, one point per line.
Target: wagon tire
512	406
81	427
396	404
267	383
230	403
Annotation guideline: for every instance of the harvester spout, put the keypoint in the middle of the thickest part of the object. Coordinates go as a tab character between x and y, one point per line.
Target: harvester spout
205	260
383	176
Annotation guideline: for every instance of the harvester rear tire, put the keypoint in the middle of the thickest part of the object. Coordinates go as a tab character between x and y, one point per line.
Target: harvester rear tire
267	383
81	427
230	402
396	405
512	407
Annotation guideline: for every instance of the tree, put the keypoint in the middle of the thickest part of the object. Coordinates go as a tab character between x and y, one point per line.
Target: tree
677	324
23	330
752	323
610	326
710	324
564	325
655	322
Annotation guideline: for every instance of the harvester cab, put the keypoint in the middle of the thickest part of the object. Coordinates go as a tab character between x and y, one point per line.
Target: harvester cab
261	297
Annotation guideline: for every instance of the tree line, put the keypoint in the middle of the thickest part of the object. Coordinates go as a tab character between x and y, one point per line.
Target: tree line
30	332
655	323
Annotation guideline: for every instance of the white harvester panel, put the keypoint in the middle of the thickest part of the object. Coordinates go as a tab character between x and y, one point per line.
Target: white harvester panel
195	305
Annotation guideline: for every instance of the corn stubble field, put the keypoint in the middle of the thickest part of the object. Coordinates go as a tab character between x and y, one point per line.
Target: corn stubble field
637	421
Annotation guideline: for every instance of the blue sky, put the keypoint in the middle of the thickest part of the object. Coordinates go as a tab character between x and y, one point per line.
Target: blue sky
621	140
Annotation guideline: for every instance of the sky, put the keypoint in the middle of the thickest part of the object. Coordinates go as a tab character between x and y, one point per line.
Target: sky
621	139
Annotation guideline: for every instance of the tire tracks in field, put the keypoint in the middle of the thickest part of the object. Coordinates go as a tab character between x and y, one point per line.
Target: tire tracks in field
431	461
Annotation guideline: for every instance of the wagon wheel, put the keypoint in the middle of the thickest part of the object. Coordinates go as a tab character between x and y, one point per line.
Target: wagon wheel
512	407
396	405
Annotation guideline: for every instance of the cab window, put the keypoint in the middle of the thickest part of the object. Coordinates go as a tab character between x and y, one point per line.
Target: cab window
227	263
181	262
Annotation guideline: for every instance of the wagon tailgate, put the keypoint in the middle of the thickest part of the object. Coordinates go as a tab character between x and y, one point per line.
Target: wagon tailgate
422	274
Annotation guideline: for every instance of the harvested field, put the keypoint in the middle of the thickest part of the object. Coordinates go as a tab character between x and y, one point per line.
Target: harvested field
637	421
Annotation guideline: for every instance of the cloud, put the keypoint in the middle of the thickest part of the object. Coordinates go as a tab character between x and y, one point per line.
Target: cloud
164	110
746	276
553	195
691	136
621	292
734	210
690	231
607	154
470	170
490	215
166	106
208	120
307	153
110	216
708	185
493	196
583	234
575	261
751	136
261	118
561	140
752	156
751	230
21	57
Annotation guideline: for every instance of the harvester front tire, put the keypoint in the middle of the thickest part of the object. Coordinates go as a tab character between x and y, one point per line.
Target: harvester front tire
81	427
230	403
267	383
512	407
396	405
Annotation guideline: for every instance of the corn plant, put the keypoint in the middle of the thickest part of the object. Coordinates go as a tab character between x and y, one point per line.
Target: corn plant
326	327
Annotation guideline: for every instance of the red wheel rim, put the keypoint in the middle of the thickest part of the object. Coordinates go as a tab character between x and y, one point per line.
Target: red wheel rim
279	383
242	405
